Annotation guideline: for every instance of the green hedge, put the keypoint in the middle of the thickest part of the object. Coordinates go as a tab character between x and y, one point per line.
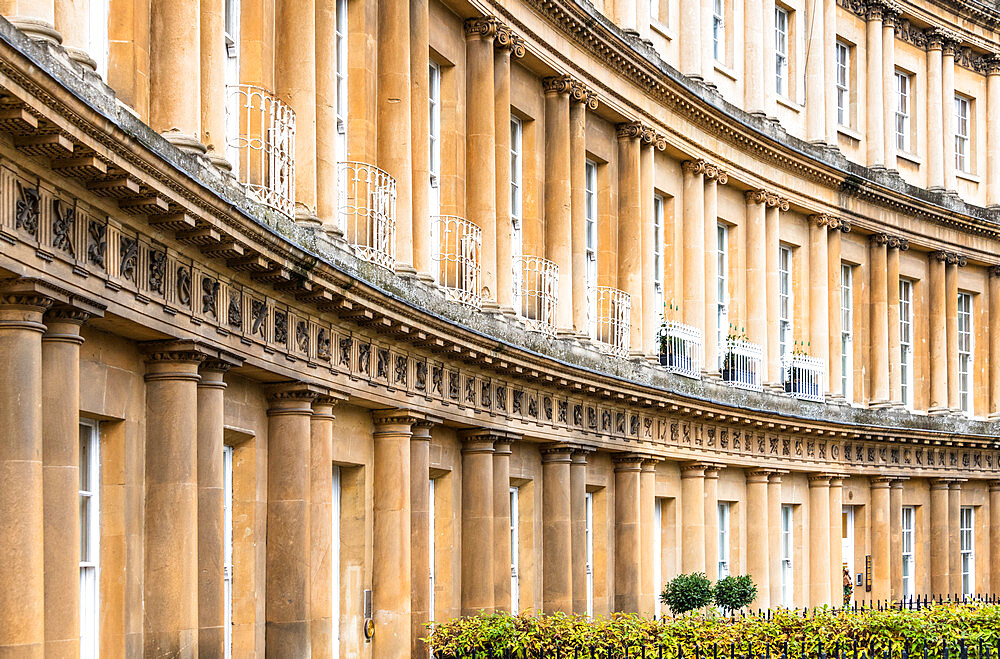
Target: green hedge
536	634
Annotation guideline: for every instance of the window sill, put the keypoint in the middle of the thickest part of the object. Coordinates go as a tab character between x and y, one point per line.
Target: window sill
849	133
725	70
789	103
910	157
661	29
968	176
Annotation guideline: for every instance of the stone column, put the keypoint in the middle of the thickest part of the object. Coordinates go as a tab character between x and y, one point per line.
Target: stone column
644	309
629	223
948	50
759	554
501	522
693	517
480	125
710	339
508	46
815	66
874	117
819	539
627	579
954	541
774	535
170	587
819	296
321	522
935	118
772	246
938	334
691	29
213	80
558	205
894	247
580	101
72	20
424	248
712	522
889	17
994	344
647	505
833	306
625	14
951	325
756	271
36	18
287	554
211	508
830	71
836	540
896	539
879	321
557	533
60	378
995	536
578	522
394	132
391	558
753	58
420	536
175	73
327	179
993	130
881	544
477	521
940	543
693	222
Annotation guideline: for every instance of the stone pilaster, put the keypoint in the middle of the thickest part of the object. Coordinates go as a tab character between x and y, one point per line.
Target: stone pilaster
424	249
36	18
692	29
896	539
819	539
774	534
630	137
948	51
712	521
836	540
327	180
935	116
815	65
477	520
952	264
894	247
889	17
557	571
874	105
175	73
954	539
628	558
834	317
993	341
756	271
820	226
772	354
993	130
714	177
994	510
647	510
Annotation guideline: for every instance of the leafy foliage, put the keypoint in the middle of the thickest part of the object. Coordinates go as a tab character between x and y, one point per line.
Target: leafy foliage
687	592
734	593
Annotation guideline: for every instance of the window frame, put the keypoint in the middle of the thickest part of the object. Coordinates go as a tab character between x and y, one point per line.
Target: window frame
847	331
719	30
516	183
515	549
341	67
434	135
906	341
782	51
722	279
90	537
966	352
967	548
658	255
963	134
908	534
842	81
589	539
786	302
336	502
787	556
903	114
723	568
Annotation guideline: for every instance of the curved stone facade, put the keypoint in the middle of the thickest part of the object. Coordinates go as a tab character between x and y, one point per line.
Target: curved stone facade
322	311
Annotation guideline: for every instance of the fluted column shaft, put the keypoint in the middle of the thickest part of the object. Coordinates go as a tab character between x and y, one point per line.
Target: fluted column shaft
578	203
994	344
629	223
60	379
710	337
881	545
759	554
644	309
712	522
774	535
994	536
691	31
420	153
892	307
504	234
557	533
213	78
693	220
170	590
175	73
836	541
835	321
756	272
938	335
816	72
480	123
896	539
879	321
935	118
940	543
948	111
477	522
501	524
693	518
819	540
578	521
627	582
951	326
558	209
647	499
819	297
72	20
874	122
993	131
420	534
321	567
889	85
954	537
772	353
391	578
211	507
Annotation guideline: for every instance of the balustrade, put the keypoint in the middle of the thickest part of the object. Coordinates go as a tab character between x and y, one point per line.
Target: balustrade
681	349
609	317
368	212
536	290
458	258
803	377
742	365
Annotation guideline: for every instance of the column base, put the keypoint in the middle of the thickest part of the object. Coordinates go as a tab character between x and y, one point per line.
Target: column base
186	143
567	334
509	312
993	416
711	374
490	307
406	271
334	231
879	404
82	58
219	161
425	277
37	29
307	217
937	411
836	399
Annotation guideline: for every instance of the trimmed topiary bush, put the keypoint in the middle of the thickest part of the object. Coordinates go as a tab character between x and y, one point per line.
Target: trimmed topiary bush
733	593
687	592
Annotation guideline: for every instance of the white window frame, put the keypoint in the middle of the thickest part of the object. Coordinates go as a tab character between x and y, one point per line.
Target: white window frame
906	341
227	548
847	331
782	30
99	40
590	228
342	103
657	556
722	279
434	134
719	30
589	517
842	53
786	302
724	535
967	547
908	544
231	40
515	550
335	517
787	556
516	187
658	256
966	352
847	540
963	133
90	538
904	93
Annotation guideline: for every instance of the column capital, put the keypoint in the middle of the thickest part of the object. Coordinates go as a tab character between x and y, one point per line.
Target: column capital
29	294
824	220
63	320
775	477
758	475
878	239
881	482
890	14
580	454
897	482
837	480
994	486
993	271
482	27
506	40
503	442
629	130
695	167
940	483
991	64
557	453
173	351
221	362
755	196
819	480
716	173
696	469
935	38
775	201
628	461
580	93
895	242
292	397
951	45
957	259
875	10
558	84
395	420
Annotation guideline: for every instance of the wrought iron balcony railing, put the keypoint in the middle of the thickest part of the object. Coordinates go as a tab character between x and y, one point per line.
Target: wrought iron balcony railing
458	258
368	212
681	349
536	289
803	377
260	145
609	316
742	365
